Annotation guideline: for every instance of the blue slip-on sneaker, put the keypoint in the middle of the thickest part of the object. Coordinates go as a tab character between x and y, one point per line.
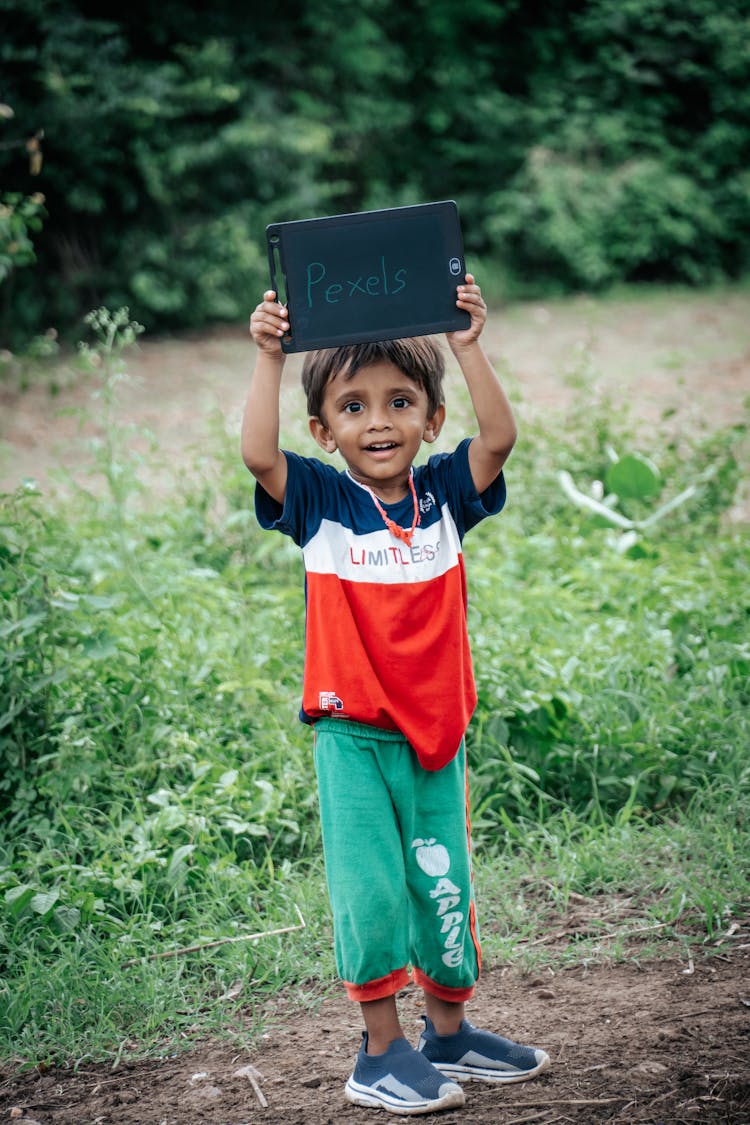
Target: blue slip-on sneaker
401	1080
480	1055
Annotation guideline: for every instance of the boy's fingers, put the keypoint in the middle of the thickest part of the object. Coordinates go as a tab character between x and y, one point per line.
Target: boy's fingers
269	318
272	316
270	298
471	299
263	322
269	311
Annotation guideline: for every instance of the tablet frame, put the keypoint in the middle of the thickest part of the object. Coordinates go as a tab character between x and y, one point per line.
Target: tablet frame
280	238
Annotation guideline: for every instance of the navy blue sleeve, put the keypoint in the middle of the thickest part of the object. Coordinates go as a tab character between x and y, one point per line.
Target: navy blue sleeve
309	482
451	475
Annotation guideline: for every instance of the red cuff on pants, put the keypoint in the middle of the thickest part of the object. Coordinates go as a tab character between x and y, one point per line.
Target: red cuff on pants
378	989
452	995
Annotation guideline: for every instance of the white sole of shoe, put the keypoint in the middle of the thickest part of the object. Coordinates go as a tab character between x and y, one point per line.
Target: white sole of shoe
488	1074
364	1096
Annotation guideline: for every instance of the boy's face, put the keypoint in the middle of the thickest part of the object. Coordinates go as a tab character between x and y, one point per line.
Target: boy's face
377	419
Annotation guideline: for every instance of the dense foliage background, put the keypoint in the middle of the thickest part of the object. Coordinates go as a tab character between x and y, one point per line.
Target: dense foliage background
585	142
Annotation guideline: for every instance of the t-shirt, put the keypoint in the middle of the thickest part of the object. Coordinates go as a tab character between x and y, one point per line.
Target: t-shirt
386	638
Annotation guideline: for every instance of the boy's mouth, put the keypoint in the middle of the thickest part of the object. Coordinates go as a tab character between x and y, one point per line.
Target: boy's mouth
381	446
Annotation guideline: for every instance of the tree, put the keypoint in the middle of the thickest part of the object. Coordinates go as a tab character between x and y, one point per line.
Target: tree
585	143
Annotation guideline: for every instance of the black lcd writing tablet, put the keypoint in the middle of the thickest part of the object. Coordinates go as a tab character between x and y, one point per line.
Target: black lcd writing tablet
371	275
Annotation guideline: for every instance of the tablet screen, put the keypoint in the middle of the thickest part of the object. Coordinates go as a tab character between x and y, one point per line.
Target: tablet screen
372	275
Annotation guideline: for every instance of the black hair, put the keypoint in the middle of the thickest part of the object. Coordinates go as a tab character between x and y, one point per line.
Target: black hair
419	358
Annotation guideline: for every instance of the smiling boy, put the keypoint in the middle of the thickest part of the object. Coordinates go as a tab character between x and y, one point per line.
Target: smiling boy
388	681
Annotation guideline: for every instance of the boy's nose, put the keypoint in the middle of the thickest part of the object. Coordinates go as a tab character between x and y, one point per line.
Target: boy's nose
379	420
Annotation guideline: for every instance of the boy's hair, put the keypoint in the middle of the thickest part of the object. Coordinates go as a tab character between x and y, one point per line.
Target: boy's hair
419	358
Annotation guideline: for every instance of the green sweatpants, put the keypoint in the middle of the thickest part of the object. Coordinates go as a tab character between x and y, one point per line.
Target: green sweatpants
397	854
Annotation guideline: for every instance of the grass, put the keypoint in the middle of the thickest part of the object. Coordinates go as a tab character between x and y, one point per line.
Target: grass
572	892
157	789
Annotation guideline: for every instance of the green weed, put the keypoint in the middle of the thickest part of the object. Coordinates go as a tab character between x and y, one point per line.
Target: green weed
157	791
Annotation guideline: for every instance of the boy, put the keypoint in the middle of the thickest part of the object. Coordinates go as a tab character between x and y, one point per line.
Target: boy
388	681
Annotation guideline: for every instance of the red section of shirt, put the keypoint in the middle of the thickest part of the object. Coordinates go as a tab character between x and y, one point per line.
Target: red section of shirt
392	656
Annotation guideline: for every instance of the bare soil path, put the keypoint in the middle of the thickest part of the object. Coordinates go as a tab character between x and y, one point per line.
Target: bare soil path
659	1042
685	353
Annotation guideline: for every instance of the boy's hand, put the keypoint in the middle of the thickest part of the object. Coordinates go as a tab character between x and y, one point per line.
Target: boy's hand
268	324
469	298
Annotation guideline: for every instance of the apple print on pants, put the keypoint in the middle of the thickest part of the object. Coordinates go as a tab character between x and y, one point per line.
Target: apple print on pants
432	857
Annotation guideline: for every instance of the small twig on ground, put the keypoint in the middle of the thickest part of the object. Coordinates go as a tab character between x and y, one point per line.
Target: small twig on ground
253	1075
550	937
562	1101
601	937
700	1012
214	944
661	1097
543	1117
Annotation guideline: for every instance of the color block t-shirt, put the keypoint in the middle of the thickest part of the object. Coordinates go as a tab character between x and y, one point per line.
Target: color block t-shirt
386	638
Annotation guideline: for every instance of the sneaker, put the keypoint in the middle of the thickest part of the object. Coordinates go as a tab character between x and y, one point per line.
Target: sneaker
401	1080
480	1055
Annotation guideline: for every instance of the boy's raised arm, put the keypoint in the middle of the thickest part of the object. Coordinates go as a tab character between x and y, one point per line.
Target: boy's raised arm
260	421
489	450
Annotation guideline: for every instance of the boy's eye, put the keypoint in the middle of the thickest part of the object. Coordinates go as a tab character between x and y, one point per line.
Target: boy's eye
352	408
400	403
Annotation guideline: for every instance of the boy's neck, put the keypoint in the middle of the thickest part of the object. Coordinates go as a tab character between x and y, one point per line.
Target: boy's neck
386	493
405	534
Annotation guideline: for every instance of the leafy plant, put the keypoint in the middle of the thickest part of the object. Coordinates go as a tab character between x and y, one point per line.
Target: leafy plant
157	790
171	140
20	217
632	477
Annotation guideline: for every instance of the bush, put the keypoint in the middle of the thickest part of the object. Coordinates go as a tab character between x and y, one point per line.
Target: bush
585	144
589	227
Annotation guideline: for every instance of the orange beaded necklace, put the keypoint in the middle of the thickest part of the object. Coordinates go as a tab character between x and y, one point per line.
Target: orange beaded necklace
402	533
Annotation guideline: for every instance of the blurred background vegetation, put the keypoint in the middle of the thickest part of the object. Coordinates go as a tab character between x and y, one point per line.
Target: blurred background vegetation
142	154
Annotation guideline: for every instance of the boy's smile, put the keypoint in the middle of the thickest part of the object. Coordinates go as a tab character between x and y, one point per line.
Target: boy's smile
377	419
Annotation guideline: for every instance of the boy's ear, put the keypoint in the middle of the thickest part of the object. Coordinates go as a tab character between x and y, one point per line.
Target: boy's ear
434	425
322	435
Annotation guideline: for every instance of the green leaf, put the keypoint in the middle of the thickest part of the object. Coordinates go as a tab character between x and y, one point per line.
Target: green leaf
100	648
177	862
43	902
67	918
18	898
24	626
633	477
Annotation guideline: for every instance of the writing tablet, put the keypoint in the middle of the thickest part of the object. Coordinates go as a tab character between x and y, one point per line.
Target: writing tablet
370	275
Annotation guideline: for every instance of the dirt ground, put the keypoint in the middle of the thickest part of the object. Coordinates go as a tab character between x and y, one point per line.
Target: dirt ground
664	1041
684	354
657	1041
